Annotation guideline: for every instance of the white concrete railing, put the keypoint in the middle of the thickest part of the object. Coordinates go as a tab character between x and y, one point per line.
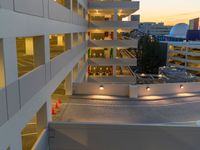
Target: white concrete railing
114	24
165	89
60	61
109	43
93	89
113	79
134	5
123	137
60	13
31	83
136	91
46	8
113	61
14	96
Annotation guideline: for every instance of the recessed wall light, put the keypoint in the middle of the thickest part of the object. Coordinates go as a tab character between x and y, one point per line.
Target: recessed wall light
101	87
181	86
142	74
148	88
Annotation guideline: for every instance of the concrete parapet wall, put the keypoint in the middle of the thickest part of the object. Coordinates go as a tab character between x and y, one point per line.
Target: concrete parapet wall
70	136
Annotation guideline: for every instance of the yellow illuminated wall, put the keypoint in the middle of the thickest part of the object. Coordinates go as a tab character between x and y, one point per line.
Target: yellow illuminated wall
29	46
2	76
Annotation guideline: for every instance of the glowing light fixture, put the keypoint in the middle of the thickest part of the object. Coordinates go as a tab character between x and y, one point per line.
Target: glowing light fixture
101	87
142	74
148	88
181	86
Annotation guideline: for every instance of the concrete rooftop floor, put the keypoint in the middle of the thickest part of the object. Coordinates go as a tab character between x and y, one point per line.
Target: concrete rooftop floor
184	110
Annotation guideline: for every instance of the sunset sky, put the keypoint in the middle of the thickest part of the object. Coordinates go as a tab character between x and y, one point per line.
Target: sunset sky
169	11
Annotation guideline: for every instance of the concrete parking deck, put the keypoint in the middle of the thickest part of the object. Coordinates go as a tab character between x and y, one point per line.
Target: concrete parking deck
183	110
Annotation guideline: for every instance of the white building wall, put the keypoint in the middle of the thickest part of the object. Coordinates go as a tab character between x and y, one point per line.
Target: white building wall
22	97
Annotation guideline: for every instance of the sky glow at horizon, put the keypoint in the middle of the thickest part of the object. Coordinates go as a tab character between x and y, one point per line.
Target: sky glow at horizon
169	11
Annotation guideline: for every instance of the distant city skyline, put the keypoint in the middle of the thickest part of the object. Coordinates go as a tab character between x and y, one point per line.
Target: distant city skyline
170	12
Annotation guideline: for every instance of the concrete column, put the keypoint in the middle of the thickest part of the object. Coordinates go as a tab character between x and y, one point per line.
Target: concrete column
84	13
115	34
79	38
48	104
71	5
9	60
16	142
46	49
114	70
75	72
84	36
39	50
72	40
186	57
115	18
114	52
68	42
86	57
86	74
79	9
87	17
46	8
114	56
78	67
75	39
42	119
68	83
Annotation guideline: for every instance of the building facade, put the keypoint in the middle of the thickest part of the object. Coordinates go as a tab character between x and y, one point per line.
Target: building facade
44	48
42	43
185	55
108	54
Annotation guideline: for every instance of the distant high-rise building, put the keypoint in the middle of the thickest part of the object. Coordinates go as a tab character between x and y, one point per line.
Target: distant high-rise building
193	34
194	24
155	29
